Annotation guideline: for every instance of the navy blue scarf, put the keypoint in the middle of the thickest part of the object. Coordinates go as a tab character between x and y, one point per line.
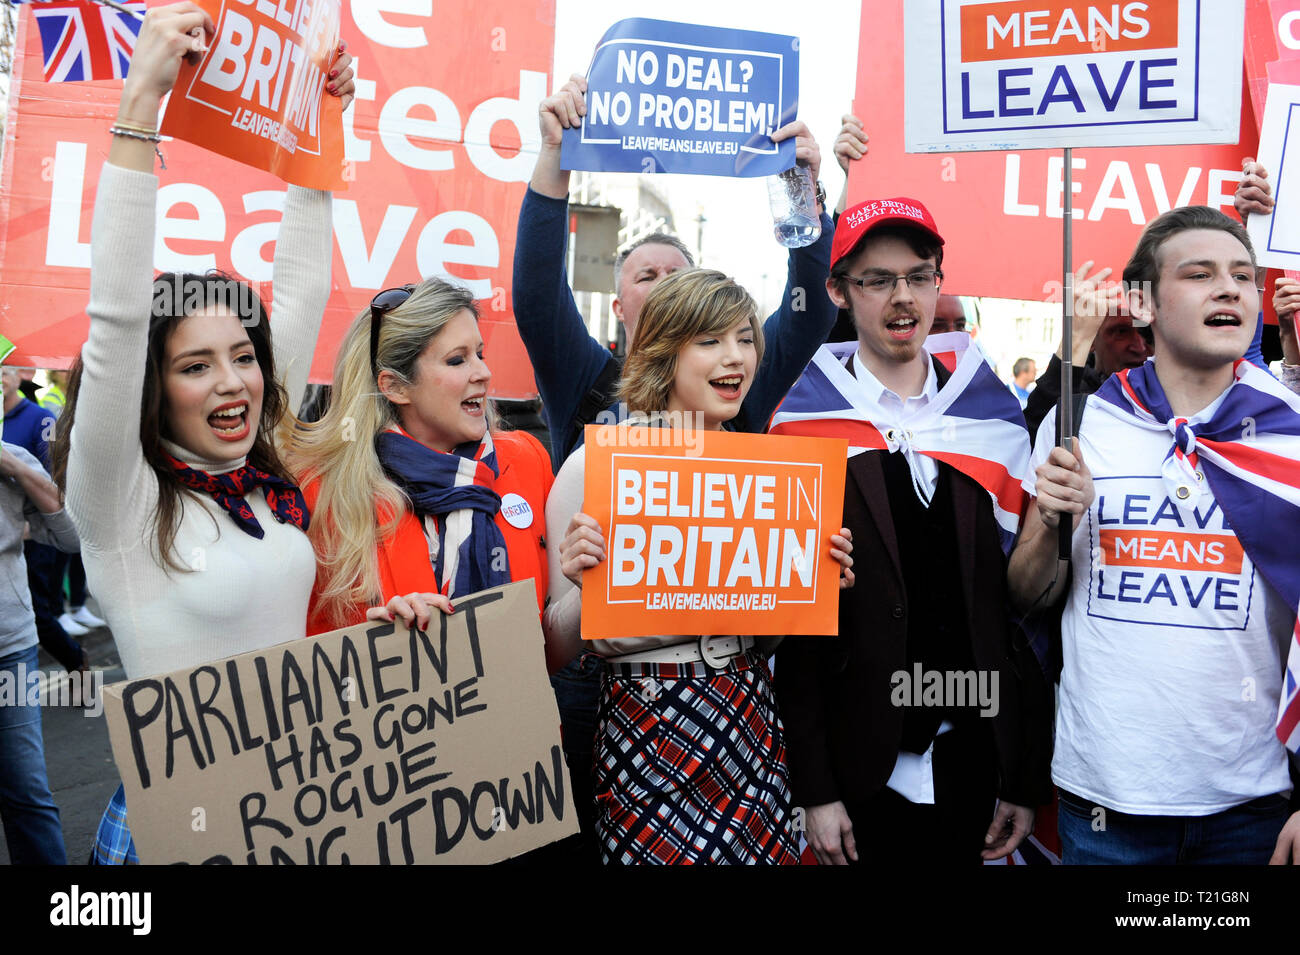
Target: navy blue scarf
457	490
228	490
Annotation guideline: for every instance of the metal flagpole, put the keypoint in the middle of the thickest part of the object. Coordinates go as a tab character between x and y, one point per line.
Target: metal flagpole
121	9
1065	409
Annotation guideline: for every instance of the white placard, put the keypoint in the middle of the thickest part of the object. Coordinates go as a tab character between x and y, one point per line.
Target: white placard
1277	237
1050	74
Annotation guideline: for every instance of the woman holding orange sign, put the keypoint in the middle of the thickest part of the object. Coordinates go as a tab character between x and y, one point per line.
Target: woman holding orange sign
690	755
193	531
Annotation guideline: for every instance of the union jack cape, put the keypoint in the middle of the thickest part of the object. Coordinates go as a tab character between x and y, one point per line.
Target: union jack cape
974	424
1249	453
82	40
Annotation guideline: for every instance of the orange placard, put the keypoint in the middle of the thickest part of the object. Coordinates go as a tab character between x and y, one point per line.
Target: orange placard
710	532
258	95
1015	30
440	143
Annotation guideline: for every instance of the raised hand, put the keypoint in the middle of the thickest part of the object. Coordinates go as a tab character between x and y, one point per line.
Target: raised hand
806	149
562	110
851	143
168	35
1253	194
341	82
1093	301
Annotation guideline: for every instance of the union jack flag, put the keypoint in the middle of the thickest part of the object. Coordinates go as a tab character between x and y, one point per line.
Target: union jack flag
87	41
1249	452
1288	712
974	424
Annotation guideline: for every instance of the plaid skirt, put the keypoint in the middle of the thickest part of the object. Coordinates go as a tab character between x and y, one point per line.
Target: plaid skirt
113	842
690	766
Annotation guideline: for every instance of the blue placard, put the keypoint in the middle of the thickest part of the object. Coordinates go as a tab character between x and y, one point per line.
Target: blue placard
676	97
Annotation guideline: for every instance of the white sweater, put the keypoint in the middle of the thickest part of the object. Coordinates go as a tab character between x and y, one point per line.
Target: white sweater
242	593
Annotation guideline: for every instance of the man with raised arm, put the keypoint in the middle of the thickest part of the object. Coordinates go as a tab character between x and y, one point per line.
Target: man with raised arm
578	378
576	375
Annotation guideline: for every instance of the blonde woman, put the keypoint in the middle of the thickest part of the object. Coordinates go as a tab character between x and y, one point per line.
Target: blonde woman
415	499
695	772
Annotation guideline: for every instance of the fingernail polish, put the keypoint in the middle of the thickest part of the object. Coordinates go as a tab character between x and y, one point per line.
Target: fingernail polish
334	74
331	88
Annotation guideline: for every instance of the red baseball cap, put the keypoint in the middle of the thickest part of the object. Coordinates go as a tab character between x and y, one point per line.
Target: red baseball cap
855	223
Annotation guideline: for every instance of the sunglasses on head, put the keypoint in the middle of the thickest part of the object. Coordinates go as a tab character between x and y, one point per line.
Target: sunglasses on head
381	305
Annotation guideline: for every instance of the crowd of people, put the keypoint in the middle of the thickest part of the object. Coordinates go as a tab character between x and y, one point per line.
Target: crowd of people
1126	682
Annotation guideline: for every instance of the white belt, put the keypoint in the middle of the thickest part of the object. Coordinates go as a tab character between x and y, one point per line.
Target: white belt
715	651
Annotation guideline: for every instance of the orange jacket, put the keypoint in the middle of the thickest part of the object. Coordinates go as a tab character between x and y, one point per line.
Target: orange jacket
525	472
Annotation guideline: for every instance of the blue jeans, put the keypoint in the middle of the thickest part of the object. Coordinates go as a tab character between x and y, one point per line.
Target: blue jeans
45	580
31	820
1242	835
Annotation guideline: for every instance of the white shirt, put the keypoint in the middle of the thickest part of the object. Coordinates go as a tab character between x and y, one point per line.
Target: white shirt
1172	642
238	593
899	411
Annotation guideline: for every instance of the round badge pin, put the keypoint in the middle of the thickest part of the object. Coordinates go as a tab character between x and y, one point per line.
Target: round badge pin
517	512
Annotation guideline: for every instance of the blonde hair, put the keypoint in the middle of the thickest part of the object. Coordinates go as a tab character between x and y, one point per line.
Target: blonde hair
683	306
339	449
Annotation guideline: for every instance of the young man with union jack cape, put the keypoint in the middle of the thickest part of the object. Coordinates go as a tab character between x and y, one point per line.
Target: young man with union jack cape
1184	490
890	752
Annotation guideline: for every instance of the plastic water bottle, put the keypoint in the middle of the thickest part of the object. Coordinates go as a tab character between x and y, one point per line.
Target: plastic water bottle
794	207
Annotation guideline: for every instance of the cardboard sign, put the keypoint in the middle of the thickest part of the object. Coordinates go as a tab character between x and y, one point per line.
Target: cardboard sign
710	532
1015	75
258	95
675	97
372	744
1276	238
439	145
1017	196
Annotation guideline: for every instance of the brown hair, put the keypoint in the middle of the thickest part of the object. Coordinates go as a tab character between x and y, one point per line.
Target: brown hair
176	297
1143	267
918	240
683	306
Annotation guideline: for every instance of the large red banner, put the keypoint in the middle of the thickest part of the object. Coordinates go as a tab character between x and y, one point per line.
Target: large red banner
258	93
446	97
1272	46
1000	213
1272	51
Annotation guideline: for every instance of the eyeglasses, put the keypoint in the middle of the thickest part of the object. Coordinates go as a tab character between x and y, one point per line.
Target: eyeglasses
926	280
381	305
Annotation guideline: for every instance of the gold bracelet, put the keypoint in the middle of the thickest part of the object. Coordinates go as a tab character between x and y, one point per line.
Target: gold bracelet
149	130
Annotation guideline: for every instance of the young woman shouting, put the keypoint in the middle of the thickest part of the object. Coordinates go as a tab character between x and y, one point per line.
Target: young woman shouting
696	771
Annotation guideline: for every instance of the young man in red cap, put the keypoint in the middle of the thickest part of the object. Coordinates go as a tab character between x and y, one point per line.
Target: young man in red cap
920	731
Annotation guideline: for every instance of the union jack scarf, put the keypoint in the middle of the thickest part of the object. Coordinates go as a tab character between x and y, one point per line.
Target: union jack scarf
974	424
455	494
1249	453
